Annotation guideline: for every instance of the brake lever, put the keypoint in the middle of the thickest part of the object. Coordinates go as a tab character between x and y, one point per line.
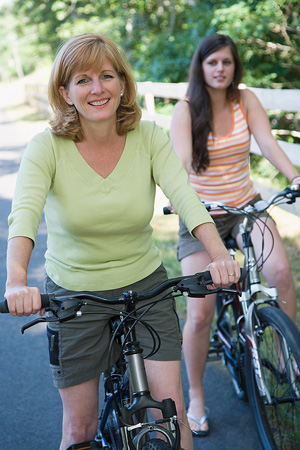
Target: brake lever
196	287
292	192
52	318
62	311
196	294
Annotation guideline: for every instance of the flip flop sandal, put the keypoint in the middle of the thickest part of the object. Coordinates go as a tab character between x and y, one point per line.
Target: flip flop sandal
200	422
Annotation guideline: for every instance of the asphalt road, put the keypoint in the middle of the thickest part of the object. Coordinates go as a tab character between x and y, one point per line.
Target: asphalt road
30	409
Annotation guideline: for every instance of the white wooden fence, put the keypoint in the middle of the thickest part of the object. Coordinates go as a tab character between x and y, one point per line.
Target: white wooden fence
272	100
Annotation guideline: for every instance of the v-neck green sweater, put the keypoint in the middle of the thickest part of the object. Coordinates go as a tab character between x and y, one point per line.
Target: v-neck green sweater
99	233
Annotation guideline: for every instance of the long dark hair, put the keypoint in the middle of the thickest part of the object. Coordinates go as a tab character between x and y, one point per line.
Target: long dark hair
199	99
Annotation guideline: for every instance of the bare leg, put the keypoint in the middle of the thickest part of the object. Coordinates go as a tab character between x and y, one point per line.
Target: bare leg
196	335
80	412
164	378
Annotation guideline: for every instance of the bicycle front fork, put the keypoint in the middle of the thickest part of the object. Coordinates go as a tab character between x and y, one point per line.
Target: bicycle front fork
168	425
252	329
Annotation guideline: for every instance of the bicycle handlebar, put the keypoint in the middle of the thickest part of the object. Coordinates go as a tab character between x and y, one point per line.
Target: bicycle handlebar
289	194
193	286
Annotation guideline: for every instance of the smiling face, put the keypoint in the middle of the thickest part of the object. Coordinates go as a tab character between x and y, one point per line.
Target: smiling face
218	69
95	93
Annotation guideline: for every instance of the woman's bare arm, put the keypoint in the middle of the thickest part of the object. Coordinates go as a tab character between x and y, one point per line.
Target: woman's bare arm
260	128
22	300
222	265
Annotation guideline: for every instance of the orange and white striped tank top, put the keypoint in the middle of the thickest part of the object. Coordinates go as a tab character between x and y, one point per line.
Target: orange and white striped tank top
227	179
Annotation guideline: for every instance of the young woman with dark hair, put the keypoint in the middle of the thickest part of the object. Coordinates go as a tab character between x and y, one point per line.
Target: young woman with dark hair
210	131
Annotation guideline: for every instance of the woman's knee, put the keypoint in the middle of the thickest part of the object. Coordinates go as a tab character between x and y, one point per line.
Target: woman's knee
200	316
80	411
198	323
280	274
79	430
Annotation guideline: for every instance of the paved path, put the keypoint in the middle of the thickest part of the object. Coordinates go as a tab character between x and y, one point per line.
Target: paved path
30	409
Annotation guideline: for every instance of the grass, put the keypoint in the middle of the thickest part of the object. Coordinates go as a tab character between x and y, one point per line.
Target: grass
165	235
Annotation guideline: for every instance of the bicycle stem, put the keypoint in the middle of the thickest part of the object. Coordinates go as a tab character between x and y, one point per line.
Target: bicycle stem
252	268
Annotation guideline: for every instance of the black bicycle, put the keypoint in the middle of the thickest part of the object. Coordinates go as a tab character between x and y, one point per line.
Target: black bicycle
125	422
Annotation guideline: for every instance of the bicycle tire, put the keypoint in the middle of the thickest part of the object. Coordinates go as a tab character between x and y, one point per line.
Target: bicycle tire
278	423
234	357
112	432
156	444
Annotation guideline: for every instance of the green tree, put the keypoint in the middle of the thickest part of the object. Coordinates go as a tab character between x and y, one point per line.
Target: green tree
267	34
160	36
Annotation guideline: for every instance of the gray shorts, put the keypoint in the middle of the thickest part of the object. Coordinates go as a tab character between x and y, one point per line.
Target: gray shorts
78	349
227	224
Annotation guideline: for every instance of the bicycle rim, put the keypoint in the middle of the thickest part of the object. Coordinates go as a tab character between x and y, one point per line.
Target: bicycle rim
278	341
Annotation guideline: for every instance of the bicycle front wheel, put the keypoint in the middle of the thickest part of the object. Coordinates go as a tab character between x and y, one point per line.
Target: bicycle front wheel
156	444
276	411
112	432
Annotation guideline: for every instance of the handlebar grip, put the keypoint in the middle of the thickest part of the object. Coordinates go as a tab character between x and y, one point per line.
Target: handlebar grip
44	298
207	276
4	307
167	211
243	274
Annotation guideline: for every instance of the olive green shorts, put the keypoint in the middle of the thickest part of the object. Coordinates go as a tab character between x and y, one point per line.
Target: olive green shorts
227	224
78	349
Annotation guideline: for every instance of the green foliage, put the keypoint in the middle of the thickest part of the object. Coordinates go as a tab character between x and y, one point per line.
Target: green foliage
159	36
264	171
267	34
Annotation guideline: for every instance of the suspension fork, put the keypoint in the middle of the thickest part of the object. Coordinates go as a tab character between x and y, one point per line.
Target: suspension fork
140	390
251	330
134	353
249	305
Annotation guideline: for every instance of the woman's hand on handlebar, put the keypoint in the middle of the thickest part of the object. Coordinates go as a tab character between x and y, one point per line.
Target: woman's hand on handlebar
224	272
23	300
169	209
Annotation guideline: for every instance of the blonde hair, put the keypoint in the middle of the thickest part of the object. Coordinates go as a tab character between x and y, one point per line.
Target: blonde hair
81	52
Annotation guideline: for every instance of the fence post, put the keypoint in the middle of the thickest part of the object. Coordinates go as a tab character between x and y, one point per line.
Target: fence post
149	103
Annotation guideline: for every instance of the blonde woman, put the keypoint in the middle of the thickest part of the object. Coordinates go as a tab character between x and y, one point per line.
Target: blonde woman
94	173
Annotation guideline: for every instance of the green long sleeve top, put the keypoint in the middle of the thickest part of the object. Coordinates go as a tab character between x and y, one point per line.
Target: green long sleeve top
99	232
